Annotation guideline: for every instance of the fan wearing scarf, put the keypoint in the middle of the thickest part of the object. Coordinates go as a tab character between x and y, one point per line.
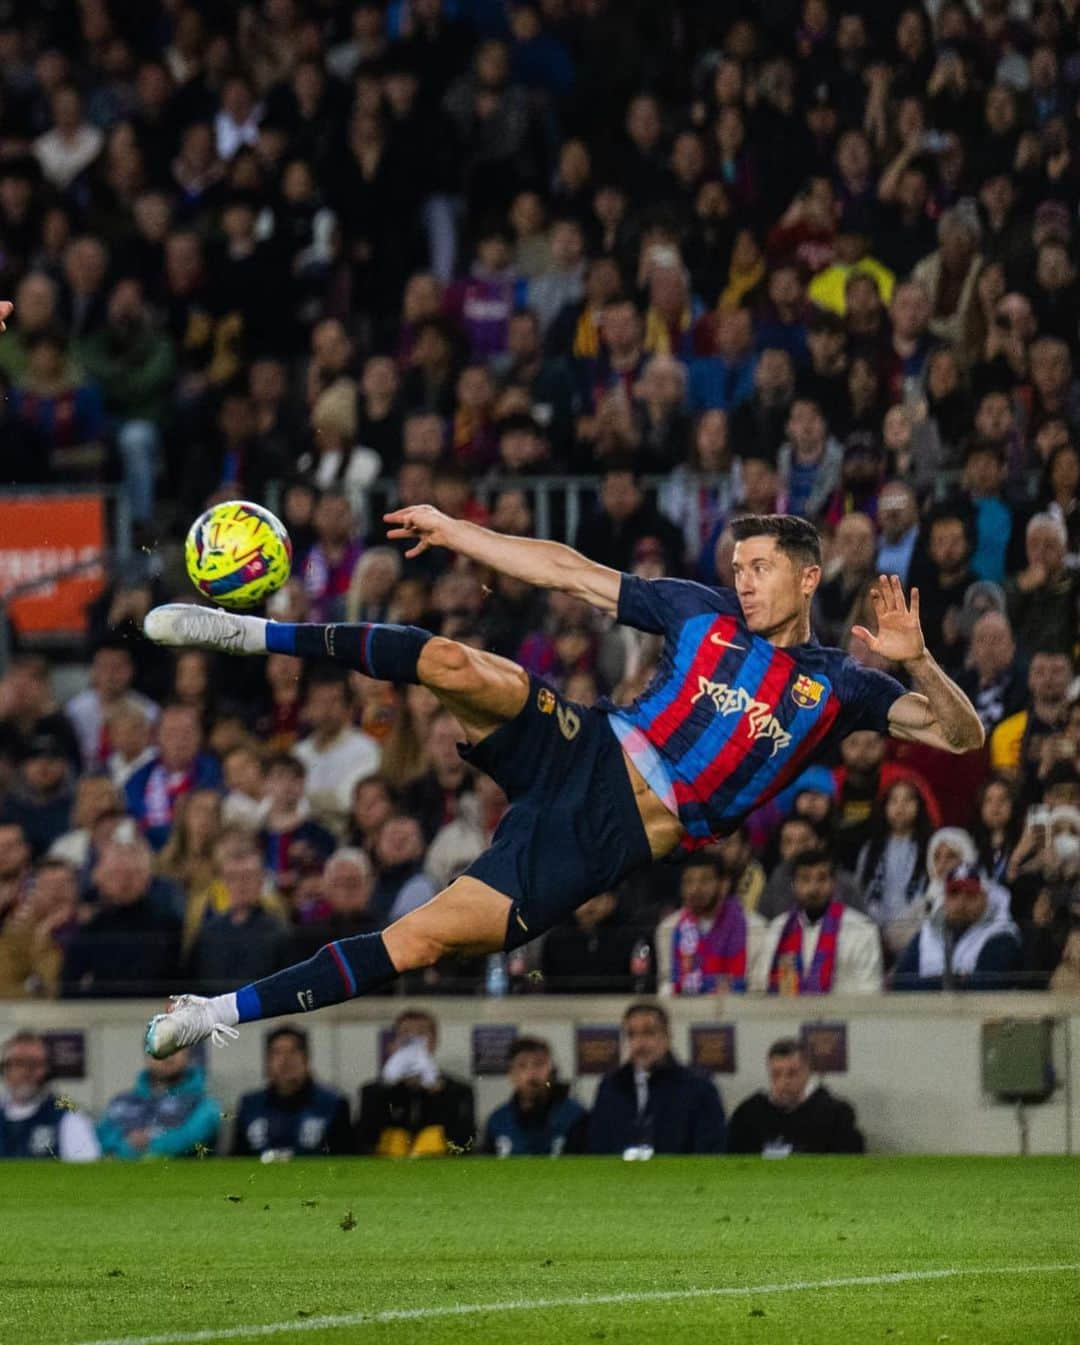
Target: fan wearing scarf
707	946
968	943
820	946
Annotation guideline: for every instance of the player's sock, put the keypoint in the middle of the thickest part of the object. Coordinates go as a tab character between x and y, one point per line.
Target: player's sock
338	971
387	653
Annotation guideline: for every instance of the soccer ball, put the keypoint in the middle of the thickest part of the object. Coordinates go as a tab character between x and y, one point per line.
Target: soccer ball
238	553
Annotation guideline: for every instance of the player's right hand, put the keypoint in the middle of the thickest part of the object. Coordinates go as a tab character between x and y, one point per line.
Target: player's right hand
430	526
6	310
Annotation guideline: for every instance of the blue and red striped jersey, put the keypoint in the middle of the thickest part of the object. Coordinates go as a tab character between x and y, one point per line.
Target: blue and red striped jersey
730	719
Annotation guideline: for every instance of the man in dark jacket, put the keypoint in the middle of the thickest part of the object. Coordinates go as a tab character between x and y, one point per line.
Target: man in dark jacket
541	1118
626	517
413	1109
293	1112
244	941
652	1102
791	1117
131	946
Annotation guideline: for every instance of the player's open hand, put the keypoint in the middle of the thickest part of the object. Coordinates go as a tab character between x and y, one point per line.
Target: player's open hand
430	527
899	635
6	310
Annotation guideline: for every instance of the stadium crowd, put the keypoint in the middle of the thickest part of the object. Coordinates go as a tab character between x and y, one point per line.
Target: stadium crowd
613	271
414	1109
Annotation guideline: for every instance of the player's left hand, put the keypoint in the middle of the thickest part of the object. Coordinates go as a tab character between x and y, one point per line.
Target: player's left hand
6	310
899	637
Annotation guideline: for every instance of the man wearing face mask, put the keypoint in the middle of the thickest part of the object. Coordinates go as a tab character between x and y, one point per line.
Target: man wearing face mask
968	943
33	1124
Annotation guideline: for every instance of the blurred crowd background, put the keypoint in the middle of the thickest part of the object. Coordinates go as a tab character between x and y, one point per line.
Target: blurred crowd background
606	272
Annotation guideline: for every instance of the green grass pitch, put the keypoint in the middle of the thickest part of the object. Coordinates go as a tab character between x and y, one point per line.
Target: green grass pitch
199	1251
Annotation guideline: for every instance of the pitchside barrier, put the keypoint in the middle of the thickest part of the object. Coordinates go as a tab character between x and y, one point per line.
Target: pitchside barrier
916	1067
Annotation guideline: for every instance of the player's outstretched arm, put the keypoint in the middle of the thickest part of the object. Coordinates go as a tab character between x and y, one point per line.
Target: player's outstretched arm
544	564
937	712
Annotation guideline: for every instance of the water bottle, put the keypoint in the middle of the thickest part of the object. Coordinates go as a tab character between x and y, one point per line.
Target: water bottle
496	982
641	966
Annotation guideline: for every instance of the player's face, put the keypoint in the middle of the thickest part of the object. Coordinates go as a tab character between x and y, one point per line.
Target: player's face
788	1077
647	1040
530	1077
772	590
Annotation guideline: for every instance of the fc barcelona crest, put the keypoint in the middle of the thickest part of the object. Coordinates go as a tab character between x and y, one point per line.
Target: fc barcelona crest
545	701
806	693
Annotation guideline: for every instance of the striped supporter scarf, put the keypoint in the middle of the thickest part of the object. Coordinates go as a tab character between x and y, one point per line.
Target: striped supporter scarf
818	980
703	962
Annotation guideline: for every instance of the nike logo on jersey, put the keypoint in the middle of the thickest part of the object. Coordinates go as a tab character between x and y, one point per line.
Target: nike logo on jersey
760	721
726	644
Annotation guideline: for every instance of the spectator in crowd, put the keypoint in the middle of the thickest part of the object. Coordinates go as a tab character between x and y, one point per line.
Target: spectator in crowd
540	1118
947	578
294	843
42	798
968	943
862	777
898	519
293	1114
704	948
129	732
626	517
993	677
652	1102
15	860
1016	743
794	835
112	673
892	864
998	826
809	462
95	796
28	706
821	946
33	1121
131	944
36	932
595	950
847	579
413	1108
402	884
180	765
1042	598
168	1113
334	904
791	1117
245	941
745	870
335	755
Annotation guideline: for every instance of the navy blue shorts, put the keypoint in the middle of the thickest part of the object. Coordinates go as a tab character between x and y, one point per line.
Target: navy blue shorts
573	828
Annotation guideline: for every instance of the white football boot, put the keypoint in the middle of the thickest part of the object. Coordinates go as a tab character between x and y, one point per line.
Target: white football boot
190	1020
188	626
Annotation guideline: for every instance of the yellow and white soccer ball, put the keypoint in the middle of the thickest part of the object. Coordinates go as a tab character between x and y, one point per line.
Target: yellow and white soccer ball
238	553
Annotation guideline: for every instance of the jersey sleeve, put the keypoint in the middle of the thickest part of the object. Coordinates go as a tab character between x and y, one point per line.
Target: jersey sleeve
662	605
868	695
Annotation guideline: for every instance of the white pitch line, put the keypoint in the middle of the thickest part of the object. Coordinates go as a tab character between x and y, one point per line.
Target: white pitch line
584	1301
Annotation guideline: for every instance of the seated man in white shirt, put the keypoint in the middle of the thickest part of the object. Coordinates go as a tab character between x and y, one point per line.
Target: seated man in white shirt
336	754
820	946
34	1123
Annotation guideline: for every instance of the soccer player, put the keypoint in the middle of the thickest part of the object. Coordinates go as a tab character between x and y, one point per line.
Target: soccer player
743	699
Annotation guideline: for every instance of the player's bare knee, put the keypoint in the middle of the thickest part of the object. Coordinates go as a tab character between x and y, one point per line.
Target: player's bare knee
444	664
415	949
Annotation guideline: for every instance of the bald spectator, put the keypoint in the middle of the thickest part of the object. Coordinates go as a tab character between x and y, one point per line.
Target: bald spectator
992	675
1042	598
130	946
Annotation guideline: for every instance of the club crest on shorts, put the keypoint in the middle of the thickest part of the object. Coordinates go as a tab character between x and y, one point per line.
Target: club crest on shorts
545	700
806	693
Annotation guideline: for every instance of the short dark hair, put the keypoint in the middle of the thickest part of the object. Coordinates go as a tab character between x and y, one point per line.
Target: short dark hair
648	1006
290	1030
796	537
422	1014
285	761
784	1047
527	1046
701	860
808	859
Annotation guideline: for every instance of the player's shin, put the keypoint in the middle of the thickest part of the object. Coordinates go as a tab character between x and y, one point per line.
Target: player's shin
338	971
387	653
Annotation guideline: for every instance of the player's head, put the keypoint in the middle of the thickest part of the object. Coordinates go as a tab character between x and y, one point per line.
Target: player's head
531	1071
777	568
789	1072
648	1034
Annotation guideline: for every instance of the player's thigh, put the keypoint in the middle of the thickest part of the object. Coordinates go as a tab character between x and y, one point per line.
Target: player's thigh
467	918
480	690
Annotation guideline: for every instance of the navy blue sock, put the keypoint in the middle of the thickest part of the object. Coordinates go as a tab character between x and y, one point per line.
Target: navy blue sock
338	971
387	653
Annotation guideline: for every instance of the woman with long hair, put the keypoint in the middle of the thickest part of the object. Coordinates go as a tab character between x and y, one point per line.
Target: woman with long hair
404	755
998	826
188	855
891	865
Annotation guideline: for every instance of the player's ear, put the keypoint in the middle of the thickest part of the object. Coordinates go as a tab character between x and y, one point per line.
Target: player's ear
811	577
